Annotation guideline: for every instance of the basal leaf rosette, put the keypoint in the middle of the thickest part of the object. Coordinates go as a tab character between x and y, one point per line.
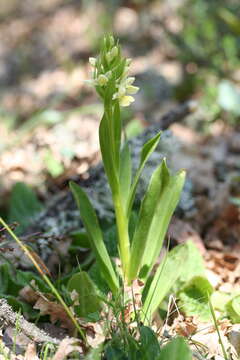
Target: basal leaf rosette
110	74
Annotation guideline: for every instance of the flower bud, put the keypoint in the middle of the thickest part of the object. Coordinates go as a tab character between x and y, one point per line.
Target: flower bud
111	40
114	52
108	74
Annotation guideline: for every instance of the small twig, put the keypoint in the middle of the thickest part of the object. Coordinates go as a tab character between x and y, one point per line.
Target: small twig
9	317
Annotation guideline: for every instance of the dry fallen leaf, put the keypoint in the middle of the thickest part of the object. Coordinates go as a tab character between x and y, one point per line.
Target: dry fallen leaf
207	337
94	334
56	312
67	346
31	353
185	327
233	335
28	293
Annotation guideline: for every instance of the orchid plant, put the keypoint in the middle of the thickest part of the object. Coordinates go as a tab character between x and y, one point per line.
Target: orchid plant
137	254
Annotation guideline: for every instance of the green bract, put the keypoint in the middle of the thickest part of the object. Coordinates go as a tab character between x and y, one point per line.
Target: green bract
139	253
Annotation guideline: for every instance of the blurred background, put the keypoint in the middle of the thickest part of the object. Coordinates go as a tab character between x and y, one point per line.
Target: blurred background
181	50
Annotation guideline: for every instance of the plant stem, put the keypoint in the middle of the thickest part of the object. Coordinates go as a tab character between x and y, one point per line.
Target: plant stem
217	329
45	278
123	236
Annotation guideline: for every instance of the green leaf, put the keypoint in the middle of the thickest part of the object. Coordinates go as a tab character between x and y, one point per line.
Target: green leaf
165	277
150	348
90	222
24	206
4	278
88	299
113	353
107	151
95	354
166	205
110	240
125	173
133	348
194	298
156	211
219	300
176	349
80	239
25	277
147	150
194	265
233	309
9	285
146	215
95	274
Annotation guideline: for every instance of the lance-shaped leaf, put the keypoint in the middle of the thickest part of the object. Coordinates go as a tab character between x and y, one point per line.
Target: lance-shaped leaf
125	177
146	215
91	224
167	202
156	211
165	277
147	150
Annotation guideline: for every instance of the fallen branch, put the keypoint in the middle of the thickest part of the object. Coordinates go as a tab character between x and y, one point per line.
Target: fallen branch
9	317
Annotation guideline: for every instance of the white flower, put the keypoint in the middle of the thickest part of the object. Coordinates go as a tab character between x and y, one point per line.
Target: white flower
92	61
124	88
132	89
102	80
126	100
130	80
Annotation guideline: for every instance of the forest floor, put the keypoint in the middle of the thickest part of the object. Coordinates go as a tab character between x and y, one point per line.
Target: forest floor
49	121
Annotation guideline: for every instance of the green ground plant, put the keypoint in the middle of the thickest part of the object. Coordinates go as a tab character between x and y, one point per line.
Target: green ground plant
209	41
138	253
110	288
